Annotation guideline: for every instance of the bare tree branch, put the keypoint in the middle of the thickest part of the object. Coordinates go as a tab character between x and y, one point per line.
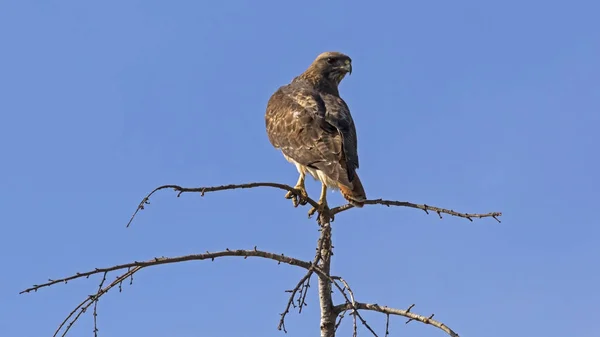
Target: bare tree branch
312	202
424	207
203	190
399	312
165	260
96	304
387	325
353	303
92	299
341	317
300	286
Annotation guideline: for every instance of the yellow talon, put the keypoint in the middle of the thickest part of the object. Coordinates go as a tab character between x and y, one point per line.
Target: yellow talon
300	196
322	203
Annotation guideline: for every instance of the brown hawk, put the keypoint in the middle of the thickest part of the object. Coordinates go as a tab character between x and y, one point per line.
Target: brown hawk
312	126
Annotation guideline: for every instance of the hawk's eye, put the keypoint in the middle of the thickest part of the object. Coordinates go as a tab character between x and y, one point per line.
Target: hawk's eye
331	60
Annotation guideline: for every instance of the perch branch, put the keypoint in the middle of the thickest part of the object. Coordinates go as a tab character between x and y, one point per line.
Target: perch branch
399	312
202	190
180	190
165	260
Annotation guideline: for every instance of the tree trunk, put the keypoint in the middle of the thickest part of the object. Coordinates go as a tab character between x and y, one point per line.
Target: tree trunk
325	300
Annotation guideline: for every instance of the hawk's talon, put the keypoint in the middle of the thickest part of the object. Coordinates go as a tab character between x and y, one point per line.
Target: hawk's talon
290	195
322	207
303	200
311	212
298	196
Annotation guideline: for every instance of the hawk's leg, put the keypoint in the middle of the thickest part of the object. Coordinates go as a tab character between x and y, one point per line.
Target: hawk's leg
323	207
302	197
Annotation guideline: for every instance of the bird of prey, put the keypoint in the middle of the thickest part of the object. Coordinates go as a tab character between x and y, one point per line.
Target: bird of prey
312	126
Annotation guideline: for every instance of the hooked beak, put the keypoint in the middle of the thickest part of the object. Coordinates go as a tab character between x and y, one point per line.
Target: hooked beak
348	67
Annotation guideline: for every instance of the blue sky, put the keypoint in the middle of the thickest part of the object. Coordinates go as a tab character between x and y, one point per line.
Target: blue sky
466	105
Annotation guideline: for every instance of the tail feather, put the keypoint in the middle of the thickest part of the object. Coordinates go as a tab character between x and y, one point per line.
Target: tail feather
355	194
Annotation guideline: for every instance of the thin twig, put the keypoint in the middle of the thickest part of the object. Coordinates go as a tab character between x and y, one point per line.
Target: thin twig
290	302
85	304
69	316
387	325
301	287
341	317
303	292
347	287
96	304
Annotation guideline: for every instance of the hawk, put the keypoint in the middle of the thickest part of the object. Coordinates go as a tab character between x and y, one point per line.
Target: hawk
312	126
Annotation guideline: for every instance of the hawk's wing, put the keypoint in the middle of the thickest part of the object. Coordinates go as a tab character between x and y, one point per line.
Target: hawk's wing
314	130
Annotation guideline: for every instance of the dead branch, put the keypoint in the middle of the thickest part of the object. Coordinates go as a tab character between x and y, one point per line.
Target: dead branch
399	312
202	190
353	304
424	207
93	299
96	304
340	319
387	325
301	286
165	260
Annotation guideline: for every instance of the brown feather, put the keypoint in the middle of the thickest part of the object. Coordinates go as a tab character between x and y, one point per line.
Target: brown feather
355	194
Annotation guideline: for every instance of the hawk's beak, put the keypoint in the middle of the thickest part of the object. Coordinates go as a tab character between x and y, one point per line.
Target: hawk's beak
348	67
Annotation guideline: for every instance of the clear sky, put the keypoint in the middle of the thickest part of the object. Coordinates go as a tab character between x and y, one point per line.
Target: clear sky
470	105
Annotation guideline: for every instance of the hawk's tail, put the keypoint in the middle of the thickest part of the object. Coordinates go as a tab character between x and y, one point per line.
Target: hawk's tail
355	195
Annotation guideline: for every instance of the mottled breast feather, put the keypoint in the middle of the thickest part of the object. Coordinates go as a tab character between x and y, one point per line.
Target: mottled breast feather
313	128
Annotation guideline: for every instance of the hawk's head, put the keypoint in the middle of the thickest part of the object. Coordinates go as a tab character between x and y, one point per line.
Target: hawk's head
332	65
